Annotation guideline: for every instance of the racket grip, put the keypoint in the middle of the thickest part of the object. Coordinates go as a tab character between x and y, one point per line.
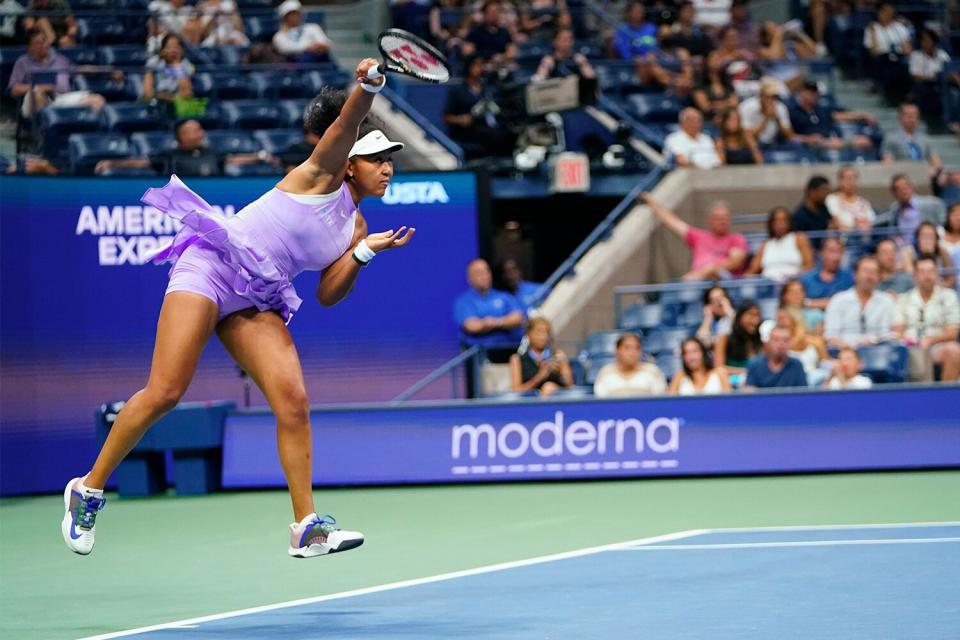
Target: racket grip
375	72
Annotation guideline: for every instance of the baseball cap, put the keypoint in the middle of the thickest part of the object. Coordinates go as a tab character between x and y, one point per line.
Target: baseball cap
287	6
374	142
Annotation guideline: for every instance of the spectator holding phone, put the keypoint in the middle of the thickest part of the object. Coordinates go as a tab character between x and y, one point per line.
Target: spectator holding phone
537	365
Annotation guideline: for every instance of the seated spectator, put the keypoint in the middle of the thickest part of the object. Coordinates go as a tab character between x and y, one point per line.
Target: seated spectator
746	27
765	117
564	61
300	42
809	349
628	376
485	316
887	42
925	65
541	19
471	116
715	94
785	253
786	42
815	124
908	211
950	238
686	33
636	37
537	365
666	69
168	74
827	279
191	157
489	40
171	16
893	279
735	350
793	300
41	59
776	368
735	145
690	146
514	284
298	152
908	142
698	376
717	316
861	315
927	243
717	253
848	209
53	17
928	320
846	372
736	61
222	25
812	213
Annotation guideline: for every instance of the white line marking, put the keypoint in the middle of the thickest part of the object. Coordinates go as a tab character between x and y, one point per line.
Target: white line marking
828	527
405	583
807	543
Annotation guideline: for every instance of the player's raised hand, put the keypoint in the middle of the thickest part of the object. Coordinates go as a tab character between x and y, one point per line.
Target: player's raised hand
363	68
390	239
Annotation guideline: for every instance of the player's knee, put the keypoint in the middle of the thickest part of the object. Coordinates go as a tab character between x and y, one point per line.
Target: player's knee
951	352
293	407
164	396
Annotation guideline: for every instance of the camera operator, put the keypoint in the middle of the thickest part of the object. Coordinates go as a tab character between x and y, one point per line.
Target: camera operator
473	117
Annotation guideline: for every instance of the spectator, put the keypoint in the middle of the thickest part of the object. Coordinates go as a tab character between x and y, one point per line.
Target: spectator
928	319
735	60
828	279
168	74
564	61
812	213
635	38
690	146
628	376
908	211
926	65
298	152
514	284
746	26
848	209
41	59
541	19
489	40
300	42
846	372
32	166
786	42
686	34
712	13
765	116
171	16
815	124
887	41
222	25
485	316
736	146
471	116
698	376
734	351
717	253
861	315
907	142
53	17
12	30
793	300
191	157
776	368
717	316
810	350
950	238
537	365
893	279
668	69
785	253
714	95
927	243
414	16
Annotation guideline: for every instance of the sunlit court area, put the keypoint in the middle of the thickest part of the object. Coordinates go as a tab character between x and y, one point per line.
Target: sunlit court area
509	319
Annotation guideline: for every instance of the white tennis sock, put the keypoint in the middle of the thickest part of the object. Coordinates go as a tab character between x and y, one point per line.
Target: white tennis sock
86	491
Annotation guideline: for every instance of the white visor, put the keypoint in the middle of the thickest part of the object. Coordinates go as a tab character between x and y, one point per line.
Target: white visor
374	142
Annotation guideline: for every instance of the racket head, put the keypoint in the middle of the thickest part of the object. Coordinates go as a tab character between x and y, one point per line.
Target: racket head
408	54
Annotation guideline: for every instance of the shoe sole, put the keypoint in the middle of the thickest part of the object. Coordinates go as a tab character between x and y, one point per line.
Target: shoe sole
315	550
67	523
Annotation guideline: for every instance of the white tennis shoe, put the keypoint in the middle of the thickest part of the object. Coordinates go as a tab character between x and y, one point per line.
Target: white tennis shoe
316	536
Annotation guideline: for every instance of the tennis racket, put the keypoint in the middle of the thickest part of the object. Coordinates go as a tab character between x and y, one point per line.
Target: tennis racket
407	54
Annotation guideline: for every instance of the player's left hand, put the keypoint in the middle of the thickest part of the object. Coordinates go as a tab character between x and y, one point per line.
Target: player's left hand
390	239
363	68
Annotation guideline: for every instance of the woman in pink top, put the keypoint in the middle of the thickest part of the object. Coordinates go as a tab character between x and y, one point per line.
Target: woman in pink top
233	276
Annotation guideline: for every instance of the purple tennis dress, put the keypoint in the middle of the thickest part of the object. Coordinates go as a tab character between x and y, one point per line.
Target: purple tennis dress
250	259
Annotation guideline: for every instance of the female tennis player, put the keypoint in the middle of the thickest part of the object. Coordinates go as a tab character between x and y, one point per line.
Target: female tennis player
233	276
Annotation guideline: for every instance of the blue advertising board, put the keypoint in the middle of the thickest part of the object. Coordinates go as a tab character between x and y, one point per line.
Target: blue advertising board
534	440
79	307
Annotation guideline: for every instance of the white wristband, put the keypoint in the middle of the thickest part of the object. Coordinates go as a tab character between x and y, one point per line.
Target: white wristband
363	254
374	88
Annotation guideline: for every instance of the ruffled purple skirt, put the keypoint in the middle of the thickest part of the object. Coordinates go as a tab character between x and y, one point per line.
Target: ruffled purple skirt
229	268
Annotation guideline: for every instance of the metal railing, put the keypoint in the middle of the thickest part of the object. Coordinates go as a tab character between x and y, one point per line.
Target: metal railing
451	367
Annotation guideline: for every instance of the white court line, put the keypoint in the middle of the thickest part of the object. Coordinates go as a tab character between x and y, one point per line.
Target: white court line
807	543
405	583
839	527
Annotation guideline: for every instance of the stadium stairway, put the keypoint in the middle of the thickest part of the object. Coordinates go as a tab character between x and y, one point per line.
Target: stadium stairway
353	28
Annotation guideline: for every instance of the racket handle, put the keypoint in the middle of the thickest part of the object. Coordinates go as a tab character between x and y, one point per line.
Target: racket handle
375	72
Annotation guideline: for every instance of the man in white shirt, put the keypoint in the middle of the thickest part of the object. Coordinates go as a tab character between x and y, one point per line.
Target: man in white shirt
628	376
690	147
861	315
765	116
928	319
297	41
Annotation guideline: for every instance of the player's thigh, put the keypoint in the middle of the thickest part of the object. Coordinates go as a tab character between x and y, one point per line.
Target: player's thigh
187	321
262	346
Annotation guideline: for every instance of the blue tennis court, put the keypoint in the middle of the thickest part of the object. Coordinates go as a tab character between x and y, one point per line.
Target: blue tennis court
849	582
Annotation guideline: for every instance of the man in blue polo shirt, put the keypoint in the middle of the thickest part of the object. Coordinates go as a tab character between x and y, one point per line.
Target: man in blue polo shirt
635	38
775	368
815	123
824	280
484	315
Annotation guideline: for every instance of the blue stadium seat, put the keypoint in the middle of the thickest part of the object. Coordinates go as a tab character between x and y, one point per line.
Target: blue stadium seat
531	52
690	316
107	87
123	55
80	55
848	155
654	107
613	77
223	85
257	169
277	141
669	363
127	117
291	112
58	123
664	340
768	308
128	172
263	5
148	143
788	155
268	85
212	118
601	343
753	290
8	57
429	100
103	30
260	28
250	114
642	317
232	141
951	195
86	149
885	362
682	295
593	365
225	56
